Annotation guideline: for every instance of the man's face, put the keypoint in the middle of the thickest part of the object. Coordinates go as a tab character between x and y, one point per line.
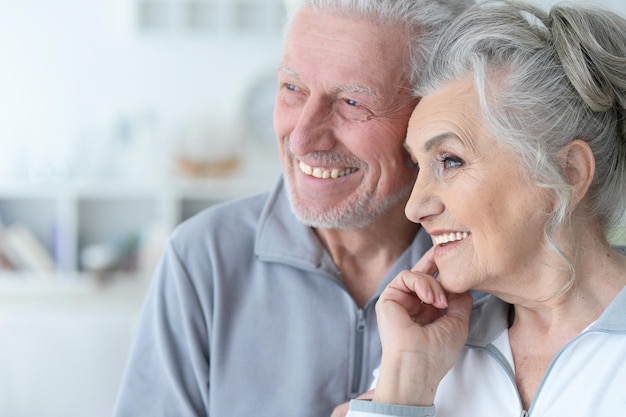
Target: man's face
341	116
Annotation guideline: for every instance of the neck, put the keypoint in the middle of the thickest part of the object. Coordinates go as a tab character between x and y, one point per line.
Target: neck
552	306
541	328
364	256
556	307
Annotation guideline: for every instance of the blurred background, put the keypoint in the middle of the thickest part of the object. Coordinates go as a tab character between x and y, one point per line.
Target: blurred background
118	120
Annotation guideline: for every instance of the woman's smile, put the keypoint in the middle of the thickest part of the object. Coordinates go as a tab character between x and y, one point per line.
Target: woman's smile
443	238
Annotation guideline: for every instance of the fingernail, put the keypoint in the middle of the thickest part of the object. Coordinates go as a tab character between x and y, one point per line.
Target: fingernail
443	300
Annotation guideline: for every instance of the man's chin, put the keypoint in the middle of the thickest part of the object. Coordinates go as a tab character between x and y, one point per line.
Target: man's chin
330	219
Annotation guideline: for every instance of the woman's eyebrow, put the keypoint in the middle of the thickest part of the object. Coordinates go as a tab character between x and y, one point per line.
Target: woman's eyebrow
436	140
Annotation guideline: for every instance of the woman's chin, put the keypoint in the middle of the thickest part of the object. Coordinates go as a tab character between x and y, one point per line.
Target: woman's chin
453	281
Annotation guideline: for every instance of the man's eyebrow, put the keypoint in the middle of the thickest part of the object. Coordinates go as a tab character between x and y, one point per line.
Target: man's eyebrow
357	89
352	88
284	68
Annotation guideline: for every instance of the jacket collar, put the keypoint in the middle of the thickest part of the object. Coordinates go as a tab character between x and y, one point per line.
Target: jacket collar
490	318
613	319
282	238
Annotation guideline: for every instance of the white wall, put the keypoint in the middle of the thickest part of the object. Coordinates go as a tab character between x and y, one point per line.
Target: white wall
70	72
60	363
72	69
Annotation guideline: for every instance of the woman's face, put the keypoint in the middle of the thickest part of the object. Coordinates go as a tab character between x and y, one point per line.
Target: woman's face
485	218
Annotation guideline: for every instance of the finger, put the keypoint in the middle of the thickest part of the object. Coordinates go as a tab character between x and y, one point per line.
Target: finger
460	305
459	311
404	312
427	289
426	264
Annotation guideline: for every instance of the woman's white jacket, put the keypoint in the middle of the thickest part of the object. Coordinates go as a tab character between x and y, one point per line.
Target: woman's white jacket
586	378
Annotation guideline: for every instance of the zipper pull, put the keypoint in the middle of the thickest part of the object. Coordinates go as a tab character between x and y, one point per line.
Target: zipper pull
524	414
360	321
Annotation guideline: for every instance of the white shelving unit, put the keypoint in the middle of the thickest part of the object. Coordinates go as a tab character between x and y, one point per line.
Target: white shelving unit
70	330
136	218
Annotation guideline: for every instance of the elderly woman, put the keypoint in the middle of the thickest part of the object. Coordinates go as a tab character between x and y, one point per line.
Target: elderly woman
521	144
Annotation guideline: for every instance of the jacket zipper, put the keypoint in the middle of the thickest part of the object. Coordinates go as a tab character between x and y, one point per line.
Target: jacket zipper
358	352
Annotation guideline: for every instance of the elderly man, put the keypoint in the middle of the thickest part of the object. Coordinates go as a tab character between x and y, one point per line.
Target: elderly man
265	306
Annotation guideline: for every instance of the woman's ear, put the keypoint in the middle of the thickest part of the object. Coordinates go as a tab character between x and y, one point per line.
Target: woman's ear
579	165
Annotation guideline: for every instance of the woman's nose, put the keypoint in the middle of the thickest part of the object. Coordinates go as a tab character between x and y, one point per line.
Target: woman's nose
424	202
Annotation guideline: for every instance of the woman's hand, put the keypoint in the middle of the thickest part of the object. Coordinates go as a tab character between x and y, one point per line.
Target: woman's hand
422	330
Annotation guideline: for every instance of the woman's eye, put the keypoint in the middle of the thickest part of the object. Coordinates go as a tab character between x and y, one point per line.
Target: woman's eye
449	162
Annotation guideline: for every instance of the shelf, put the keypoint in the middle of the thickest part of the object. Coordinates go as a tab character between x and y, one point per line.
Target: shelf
24	292
114	226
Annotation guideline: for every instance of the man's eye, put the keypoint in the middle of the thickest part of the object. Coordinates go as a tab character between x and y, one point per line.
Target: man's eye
291	94
352	110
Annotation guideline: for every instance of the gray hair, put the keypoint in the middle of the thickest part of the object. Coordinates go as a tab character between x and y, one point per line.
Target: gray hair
543	80
423	20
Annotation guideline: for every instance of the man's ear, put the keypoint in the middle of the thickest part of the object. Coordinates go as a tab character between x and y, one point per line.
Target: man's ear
579	166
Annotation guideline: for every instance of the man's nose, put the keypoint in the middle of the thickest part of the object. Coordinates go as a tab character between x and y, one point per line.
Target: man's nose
313	131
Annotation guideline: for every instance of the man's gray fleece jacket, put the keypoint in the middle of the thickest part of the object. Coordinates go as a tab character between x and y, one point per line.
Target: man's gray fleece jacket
247	316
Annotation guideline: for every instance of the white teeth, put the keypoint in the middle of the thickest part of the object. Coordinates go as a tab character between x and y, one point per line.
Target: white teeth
306	169
325	173
449	237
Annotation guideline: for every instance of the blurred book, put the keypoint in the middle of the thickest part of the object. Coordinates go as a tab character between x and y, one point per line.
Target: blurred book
21	250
